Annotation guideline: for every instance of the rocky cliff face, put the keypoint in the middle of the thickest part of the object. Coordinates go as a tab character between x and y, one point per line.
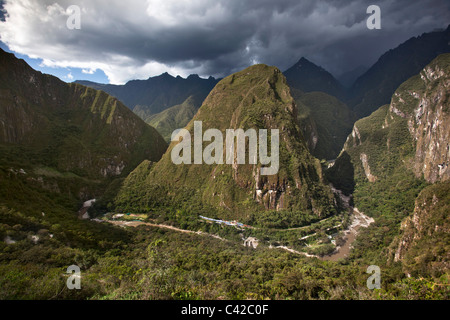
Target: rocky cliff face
430	123
424	243
416	123
424	103
402	145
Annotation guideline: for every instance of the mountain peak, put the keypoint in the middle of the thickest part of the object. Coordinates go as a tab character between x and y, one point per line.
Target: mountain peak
307	76
193	76
304	60
255	98
164	75
375	87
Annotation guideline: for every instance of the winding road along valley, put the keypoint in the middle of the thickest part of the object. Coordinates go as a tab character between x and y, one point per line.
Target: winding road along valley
359	220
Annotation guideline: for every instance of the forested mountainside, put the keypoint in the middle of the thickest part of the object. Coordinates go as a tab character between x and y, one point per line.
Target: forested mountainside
400	157
165	102
259	98
166	251
325	122
69	127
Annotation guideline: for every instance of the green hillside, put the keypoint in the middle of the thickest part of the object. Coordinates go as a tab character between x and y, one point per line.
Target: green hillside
175	117
325	122
397	182
70	127
60	145
257	97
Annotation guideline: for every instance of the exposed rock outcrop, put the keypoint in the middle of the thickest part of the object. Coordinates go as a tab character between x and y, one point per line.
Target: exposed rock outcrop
366	166
423	245
414	126
430	124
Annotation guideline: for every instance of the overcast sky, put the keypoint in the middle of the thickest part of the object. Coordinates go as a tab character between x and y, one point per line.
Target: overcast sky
123	40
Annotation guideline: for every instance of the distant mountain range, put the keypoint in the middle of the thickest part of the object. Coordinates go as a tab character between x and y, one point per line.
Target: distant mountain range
62	144
156	94
169	103
375	87
148	98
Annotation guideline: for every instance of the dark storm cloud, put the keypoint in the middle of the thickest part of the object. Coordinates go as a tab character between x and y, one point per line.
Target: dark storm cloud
2	12
136	39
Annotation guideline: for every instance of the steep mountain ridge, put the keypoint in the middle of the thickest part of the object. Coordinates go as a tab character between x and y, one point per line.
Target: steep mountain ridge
325	122
375	87
257	97
416	122
176	117
60	145
396	153
165	102
156	94
69	126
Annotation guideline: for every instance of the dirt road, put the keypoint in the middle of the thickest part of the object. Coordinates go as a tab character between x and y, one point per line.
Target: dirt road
134	224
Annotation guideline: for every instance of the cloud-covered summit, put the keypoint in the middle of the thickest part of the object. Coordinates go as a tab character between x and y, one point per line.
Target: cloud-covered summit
142	38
